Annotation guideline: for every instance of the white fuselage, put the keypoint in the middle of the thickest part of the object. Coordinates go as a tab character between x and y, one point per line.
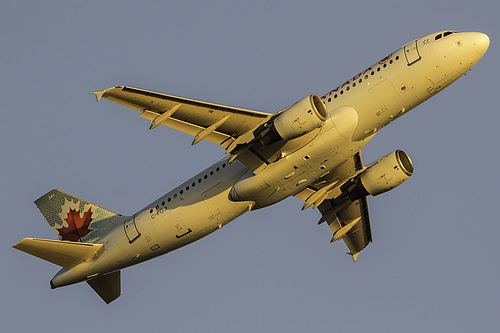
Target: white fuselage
357	110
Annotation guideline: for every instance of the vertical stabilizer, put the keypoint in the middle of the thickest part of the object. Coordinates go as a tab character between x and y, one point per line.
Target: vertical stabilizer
76	220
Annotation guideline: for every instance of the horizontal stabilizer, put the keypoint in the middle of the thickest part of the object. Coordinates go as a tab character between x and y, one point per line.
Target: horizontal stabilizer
107	286
62	253
98	94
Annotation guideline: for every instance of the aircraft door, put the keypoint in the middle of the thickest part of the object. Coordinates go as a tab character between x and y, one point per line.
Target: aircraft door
131	230
411	53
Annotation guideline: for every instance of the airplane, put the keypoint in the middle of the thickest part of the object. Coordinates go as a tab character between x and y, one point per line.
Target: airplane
310	150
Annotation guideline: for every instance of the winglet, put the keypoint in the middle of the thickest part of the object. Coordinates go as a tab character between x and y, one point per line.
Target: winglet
354	255
98	94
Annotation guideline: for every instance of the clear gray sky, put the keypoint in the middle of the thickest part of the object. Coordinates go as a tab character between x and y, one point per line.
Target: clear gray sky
433	266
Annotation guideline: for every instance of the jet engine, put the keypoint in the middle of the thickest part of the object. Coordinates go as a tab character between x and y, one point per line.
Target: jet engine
298	119
385	174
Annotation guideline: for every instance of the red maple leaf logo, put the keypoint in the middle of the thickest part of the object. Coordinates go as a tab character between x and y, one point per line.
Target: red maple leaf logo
78	227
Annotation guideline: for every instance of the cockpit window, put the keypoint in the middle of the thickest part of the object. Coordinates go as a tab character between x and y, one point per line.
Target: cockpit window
447	33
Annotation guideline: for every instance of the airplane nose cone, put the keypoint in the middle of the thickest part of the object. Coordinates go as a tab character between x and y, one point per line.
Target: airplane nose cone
481	42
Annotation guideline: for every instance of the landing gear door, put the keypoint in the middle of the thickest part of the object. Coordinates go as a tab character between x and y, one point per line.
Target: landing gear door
131	230
411	53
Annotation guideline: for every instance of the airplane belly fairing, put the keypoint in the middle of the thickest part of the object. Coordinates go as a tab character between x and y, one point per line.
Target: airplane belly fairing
293	173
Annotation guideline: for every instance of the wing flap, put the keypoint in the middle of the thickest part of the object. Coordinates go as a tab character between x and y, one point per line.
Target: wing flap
186	127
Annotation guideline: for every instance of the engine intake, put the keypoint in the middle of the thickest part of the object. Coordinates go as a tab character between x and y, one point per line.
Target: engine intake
387	173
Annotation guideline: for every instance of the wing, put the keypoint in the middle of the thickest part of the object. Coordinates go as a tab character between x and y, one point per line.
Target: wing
351	224
348	220
224	125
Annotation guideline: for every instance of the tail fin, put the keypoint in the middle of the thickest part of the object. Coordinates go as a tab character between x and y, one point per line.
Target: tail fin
76	220
62	253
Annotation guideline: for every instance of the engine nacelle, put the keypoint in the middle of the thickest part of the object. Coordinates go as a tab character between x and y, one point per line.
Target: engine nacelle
387	173
300	118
